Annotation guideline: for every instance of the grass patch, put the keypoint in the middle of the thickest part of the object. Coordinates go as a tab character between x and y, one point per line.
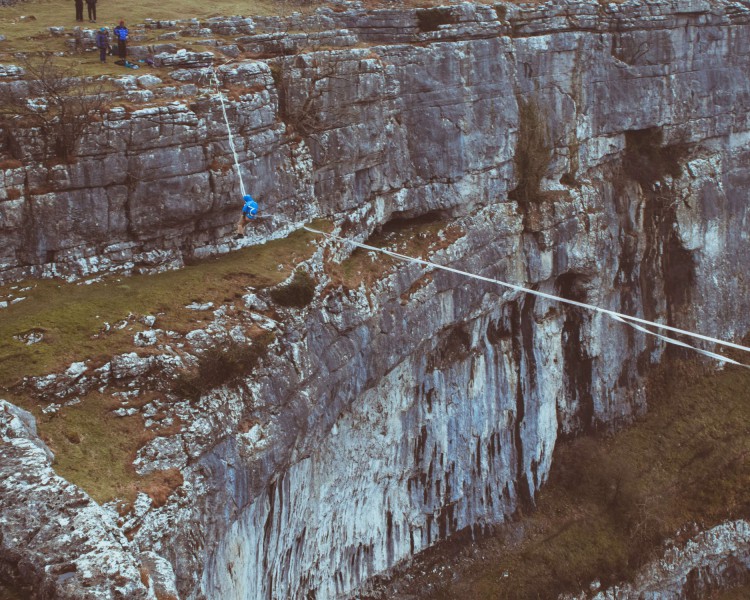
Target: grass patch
739	593
49	13
26	26
72	316
8	592
220	365
94	448
298	293
612	500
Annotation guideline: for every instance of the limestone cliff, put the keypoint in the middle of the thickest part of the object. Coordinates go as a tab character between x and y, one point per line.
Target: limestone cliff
598	151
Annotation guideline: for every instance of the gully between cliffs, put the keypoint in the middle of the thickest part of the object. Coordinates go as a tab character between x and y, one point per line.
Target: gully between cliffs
595	151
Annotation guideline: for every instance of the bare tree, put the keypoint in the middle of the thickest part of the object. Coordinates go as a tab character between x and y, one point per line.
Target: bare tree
56	100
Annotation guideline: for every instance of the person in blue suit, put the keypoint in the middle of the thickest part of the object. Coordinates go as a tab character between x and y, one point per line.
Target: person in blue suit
249	210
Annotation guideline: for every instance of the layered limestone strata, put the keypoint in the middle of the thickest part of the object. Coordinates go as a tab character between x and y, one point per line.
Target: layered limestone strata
595	151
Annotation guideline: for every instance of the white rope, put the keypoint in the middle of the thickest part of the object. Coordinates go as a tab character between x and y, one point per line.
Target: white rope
634	322
229	131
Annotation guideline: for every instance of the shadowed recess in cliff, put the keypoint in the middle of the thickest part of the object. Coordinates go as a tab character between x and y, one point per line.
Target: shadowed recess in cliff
577	362
533	152
415	235
430	19
648	160
654	166
452	346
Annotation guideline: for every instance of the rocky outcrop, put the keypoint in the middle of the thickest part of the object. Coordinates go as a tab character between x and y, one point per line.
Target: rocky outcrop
592	150
713	560
54	540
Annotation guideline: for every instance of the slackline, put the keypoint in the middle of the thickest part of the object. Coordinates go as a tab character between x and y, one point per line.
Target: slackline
229	131
634	322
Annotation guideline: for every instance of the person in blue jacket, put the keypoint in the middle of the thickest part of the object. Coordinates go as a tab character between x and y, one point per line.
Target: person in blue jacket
121	33
102	42
249	210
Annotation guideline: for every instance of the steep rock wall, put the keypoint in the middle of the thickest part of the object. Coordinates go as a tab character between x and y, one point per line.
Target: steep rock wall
394	415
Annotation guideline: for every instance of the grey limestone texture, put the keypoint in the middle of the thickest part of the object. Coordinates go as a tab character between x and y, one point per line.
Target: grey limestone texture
386	418
56	542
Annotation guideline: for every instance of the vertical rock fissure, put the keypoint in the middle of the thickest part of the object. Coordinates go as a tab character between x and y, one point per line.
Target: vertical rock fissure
654	166
577	364
523	339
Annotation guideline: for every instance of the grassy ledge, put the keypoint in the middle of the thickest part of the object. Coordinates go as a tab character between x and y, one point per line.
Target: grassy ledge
72	317
416	237
94	448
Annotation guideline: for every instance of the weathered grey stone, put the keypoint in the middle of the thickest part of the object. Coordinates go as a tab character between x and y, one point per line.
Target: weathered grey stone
55	541
11	71
184	58
147	81
389	416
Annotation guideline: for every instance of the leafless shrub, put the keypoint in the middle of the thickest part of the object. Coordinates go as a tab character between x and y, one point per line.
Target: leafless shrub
54	99
220	365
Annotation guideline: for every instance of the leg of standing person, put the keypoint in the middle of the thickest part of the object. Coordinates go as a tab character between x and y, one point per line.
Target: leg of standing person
103	54
93	12
121	48
79	10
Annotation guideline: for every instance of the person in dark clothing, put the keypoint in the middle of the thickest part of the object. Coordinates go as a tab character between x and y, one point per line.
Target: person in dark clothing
79	10
121	33
91	5
102	42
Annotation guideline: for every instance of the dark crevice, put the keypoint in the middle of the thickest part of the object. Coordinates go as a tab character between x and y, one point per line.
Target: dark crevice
402	221
453	346
430	19
577	364
523	346
668	269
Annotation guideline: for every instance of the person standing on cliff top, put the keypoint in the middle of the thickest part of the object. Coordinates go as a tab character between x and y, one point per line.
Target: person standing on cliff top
102	42
249	210
121	33
91	6
79	10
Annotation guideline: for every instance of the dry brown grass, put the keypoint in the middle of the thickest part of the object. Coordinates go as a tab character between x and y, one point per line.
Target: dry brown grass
161	486
416	237
72	316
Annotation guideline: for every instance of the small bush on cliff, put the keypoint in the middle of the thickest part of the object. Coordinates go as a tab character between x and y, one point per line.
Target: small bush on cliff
298	293
533	152
220	365
55	100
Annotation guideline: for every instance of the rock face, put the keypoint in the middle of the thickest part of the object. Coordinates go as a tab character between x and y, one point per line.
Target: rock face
598	151
54	539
